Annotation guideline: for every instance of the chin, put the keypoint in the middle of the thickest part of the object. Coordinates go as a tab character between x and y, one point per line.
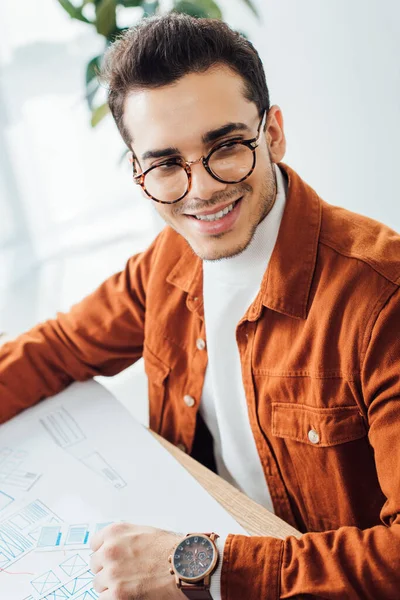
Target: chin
219	251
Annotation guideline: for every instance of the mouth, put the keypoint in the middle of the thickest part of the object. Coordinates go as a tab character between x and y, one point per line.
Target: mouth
216	222
212	215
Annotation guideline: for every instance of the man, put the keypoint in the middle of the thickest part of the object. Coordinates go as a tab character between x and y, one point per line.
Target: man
265	317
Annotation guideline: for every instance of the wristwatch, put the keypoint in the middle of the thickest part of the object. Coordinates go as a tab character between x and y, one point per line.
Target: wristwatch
193	561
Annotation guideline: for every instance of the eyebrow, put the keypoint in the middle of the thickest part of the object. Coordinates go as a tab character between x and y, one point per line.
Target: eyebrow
207	138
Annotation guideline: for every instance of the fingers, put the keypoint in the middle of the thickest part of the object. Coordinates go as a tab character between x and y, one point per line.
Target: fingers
100	583
113	531
105	595
96	562
97	539
107	546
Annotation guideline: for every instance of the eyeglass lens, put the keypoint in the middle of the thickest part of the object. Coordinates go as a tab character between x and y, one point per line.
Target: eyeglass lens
230	163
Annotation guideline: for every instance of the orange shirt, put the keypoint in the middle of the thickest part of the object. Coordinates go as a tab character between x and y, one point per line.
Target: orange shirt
320	354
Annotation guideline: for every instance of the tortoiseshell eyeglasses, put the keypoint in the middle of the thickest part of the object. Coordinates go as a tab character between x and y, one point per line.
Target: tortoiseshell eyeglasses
230	162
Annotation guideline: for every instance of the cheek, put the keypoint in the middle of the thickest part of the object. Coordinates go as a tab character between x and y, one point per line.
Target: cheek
163	210
262	180
255	181
167	214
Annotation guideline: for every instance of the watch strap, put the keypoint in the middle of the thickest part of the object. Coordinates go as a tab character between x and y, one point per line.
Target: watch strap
198	592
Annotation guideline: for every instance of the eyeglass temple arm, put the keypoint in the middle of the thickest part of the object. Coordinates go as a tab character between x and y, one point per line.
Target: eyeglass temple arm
136	176
262	125
255	141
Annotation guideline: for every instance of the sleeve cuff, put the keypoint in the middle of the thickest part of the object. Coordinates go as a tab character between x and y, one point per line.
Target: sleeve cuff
251	568
215	586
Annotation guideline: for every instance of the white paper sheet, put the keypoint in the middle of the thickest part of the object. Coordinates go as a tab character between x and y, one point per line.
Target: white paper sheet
76	459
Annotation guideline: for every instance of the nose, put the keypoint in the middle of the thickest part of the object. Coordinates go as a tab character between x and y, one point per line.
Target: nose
203	184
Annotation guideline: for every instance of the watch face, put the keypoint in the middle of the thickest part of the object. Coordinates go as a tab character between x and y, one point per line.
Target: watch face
194	557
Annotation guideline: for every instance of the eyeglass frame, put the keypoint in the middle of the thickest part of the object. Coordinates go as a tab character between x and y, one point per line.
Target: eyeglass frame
252	144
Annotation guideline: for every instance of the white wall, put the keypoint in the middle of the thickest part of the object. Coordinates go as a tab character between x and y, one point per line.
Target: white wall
333	66
69	215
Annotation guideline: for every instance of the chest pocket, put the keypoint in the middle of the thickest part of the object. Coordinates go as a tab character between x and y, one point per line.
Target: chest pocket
157	373
325	459
320	427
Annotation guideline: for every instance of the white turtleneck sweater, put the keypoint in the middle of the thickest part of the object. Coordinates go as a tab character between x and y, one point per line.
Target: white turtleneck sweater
230	286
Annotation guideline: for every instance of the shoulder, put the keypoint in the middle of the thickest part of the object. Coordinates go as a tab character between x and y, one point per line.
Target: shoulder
168	249
363	239
155	263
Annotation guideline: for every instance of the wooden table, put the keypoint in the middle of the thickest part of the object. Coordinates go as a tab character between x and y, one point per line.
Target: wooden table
254	518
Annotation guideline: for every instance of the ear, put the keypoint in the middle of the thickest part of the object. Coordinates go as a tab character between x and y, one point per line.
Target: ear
275	134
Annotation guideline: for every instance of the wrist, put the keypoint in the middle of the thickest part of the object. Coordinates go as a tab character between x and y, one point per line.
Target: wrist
193	562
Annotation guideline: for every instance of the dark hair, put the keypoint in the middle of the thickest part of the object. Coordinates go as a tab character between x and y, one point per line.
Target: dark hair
161	50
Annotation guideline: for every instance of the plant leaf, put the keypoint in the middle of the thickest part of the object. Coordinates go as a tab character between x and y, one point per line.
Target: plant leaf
93	68
198	8
253	8
106	20
73	11
98	114
91	92
131	3
92	83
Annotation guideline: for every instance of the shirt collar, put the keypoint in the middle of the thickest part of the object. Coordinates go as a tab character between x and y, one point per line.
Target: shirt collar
286	285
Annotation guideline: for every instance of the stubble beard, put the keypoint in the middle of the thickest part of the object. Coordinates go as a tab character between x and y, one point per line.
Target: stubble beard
267	200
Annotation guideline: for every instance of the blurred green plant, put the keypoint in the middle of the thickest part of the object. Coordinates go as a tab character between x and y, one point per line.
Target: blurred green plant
105	21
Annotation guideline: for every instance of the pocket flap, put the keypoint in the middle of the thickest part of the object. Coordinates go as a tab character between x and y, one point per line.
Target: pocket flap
156	370
317	426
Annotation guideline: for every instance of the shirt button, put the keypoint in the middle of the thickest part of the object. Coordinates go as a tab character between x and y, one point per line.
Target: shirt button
181	447
313	436
189	401
200	344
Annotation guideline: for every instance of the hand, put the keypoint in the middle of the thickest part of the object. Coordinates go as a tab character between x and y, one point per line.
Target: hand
130	562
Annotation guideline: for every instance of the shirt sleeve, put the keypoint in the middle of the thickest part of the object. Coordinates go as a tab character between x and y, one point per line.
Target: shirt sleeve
348	562
102	335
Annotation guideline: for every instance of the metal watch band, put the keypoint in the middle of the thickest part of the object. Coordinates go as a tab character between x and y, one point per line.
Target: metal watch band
195	593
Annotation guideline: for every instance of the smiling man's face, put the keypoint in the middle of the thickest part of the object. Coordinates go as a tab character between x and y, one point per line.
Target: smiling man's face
189	118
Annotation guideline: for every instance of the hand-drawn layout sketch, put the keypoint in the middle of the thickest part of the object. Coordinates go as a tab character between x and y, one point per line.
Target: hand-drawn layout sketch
73	565
67	434
11	474
46	582
67	575
70	580
94	462
67	537
77	535
5	500
79	587
18	532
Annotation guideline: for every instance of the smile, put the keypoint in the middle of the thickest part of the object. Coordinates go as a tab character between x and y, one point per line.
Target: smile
216	223
217	215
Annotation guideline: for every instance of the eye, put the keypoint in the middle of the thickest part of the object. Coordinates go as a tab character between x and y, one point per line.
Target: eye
168	165
227	148
165	170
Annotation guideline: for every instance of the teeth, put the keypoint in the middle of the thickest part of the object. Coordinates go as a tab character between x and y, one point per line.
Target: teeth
218	215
